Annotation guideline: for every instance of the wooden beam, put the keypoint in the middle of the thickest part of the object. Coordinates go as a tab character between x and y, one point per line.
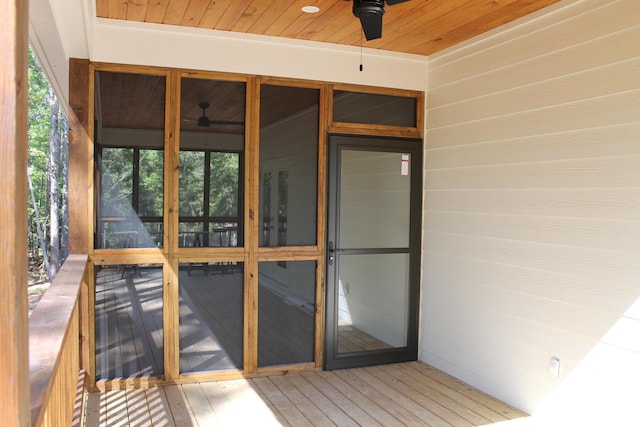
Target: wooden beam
14	357
80	157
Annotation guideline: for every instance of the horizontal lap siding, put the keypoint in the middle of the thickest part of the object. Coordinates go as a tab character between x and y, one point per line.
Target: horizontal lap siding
532	201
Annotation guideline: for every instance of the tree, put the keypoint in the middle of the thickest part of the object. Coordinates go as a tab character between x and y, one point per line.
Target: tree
48	148
56	168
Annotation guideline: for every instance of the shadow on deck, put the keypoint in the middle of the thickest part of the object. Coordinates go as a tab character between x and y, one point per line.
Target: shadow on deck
390	395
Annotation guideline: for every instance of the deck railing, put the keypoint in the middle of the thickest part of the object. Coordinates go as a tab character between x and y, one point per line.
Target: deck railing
54	347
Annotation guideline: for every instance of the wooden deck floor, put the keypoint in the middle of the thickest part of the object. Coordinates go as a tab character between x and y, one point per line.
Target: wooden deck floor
410	394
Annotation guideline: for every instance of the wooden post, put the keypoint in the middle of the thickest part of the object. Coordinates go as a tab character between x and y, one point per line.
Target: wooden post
80	157
170	295
14	357
80	195
252	178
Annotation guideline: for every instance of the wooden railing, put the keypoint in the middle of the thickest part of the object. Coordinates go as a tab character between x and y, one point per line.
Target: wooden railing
54	347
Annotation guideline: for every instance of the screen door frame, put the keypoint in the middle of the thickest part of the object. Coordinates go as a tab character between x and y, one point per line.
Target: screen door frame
338	144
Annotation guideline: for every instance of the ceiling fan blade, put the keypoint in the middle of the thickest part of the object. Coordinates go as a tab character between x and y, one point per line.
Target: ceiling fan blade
226	122
205	122
392	2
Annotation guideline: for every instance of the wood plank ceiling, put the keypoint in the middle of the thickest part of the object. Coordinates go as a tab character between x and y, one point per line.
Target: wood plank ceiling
421	27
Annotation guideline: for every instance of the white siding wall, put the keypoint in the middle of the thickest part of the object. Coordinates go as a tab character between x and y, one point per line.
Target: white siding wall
532	211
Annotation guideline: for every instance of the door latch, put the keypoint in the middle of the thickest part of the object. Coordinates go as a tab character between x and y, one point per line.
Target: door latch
332	252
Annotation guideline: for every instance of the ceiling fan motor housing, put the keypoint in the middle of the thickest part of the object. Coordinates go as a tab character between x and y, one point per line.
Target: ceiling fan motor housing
365	7
204	121
370	14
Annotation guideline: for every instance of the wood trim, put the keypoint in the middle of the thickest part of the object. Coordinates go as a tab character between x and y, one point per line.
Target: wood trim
252	166
287	255
171	161
285	369
214	75
127	257
325	114
186	254
131	69
213	257
420	114
252	222
171	320
283	251
14	362
250	341
170	271
376	90
375	130
281	81
329	107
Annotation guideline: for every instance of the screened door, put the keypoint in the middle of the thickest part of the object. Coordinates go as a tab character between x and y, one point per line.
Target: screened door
372	251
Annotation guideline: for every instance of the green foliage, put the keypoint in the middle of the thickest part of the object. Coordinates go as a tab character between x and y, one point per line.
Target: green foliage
223	201
223	185
39	121
116	182
151	183
40	135
191	183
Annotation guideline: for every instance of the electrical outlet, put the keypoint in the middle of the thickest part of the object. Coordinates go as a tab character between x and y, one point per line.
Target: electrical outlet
554	367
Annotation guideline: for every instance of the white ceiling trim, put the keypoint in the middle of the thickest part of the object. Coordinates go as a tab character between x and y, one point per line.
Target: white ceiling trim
58	30
194	48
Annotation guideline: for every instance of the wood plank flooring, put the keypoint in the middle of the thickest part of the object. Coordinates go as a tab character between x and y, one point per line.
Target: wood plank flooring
408	394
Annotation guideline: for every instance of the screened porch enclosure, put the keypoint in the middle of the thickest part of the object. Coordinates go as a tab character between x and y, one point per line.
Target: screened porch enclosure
210	221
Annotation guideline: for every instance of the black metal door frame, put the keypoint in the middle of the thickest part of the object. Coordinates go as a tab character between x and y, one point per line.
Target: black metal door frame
336	144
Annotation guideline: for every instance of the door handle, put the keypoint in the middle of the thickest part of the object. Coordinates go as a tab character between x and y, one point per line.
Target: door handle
332	252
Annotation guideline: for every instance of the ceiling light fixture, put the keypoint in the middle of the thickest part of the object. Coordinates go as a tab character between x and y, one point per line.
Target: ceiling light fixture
310	9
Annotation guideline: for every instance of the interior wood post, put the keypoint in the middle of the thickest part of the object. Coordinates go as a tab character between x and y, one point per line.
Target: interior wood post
325	108
170	294
14	357
252	179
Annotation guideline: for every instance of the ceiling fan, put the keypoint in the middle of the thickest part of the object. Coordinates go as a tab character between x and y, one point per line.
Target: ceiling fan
370	13
204	121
